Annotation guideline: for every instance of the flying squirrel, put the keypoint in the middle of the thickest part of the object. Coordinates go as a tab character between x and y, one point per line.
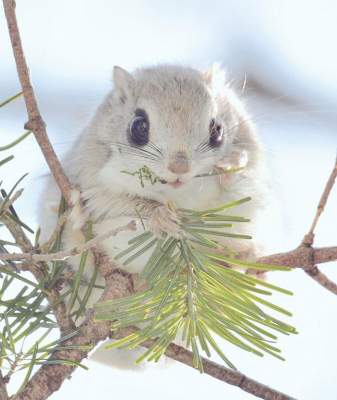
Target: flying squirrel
181	123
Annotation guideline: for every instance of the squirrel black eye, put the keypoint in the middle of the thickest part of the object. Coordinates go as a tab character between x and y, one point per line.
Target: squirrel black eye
139	128
215	133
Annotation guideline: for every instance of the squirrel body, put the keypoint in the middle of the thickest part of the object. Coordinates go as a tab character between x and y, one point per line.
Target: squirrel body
180	123
180	104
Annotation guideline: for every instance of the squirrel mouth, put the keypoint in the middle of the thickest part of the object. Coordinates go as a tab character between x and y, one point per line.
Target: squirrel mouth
176	184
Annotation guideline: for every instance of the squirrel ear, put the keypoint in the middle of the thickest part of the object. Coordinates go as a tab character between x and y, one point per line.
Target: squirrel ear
207	76
215	78
124	82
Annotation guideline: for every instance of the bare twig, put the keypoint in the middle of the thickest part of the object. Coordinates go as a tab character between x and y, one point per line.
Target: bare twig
33	257
309	237
46	246
308	240
35	122
219	372
306	257
322	279
17	232
301	257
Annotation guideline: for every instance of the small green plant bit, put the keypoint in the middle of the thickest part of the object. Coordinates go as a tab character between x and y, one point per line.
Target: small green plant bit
145	174
193	290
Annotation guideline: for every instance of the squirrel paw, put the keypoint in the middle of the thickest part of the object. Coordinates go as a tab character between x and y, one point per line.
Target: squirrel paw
163	221
77	216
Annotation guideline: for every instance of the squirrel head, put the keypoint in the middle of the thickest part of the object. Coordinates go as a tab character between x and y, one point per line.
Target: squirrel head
175	120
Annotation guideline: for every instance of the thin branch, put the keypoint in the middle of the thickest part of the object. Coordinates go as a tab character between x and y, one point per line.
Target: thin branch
308	240
309	237
301	257
322	279
17	232
35	122
306	258
46	246
33	257
219	372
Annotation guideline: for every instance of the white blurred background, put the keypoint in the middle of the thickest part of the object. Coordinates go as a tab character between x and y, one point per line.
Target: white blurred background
286	51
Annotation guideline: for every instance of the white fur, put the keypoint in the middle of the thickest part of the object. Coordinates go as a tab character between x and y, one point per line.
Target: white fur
180	103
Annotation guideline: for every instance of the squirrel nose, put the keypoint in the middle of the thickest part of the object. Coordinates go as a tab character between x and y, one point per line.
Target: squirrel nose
179	163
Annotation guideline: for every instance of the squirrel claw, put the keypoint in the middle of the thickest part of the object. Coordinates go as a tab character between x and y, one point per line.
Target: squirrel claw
163	221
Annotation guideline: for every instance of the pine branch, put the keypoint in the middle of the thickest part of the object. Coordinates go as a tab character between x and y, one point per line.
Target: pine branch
38	271
49	378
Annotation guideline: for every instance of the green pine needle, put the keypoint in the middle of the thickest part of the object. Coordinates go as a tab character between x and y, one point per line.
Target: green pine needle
9	100
16	141
196	292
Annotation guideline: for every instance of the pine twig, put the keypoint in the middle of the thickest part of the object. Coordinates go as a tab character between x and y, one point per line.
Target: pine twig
49	378
38	271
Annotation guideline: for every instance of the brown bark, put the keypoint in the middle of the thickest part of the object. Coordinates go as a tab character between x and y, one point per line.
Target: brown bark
35	122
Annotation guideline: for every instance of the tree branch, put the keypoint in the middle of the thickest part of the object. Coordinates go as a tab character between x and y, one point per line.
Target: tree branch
34	257
301	257
35	122
221	373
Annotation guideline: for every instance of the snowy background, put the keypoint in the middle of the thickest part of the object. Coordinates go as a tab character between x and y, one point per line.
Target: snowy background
287	51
